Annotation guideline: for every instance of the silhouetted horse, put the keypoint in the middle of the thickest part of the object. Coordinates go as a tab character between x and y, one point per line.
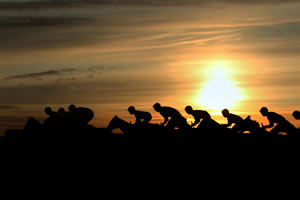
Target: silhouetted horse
293	132
210	127
31	128
116	123
253	127
32	125
138	129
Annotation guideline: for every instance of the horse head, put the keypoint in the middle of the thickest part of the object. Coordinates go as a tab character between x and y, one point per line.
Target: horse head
250	125
32	124
253	123
113	123
116	123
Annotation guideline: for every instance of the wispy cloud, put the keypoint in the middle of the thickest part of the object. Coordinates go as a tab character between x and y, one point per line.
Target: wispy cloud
35	21
60	74
39	75
8	107
94	91
34	75
42	4
117	29
269	40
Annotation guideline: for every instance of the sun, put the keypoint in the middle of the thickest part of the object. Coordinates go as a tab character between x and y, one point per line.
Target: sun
219	91
219	94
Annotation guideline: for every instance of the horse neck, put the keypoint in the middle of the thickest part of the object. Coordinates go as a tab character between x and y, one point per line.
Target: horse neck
124	126
119	123
32	124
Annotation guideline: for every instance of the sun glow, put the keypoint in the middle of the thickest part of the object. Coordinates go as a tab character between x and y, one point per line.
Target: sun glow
219	91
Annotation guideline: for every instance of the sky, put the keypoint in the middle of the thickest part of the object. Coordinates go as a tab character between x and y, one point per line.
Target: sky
110	54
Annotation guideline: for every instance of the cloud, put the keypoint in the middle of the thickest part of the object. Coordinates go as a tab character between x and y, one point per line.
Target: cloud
281	39
100	69
61	74
11	122
6	120
288	80
278	31
285	49
114	28
278	83
35	21
8	107
34	75
29	32
107	89
46	4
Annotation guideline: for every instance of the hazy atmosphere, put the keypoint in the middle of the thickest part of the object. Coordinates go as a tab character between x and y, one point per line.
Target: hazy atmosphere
111	54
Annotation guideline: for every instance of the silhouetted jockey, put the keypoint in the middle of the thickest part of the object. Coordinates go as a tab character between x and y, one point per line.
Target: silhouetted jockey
61	110
49	112
198	115
80	115
141	116
53	120
176	119
64	117
282	124
296	115
232	119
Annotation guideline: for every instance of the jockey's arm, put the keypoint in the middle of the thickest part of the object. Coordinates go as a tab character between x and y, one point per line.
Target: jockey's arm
165	121
269	126
197	120
229	123
137	120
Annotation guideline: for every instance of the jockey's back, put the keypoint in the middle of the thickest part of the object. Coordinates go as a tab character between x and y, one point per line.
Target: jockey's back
170	112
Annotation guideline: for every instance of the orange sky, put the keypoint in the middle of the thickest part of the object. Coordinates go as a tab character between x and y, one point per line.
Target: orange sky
111	56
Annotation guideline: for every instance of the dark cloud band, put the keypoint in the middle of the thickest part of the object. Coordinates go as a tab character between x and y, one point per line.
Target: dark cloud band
34	75
29	21
56	73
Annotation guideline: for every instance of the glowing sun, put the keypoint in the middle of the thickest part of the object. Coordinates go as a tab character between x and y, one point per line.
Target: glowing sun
219	91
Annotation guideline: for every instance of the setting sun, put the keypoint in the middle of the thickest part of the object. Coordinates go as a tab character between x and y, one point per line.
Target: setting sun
219	94
219	91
